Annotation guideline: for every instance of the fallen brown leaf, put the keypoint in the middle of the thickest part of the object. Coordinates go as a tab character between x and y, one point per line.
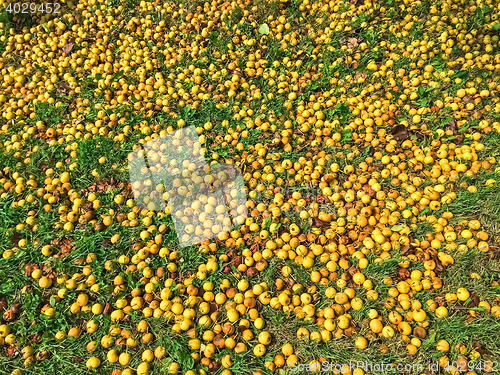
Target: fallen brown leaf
67	48
3	304
404	273
360	75
318	223
400	133
35	337
353	271
468	99
30	268
322	199
453	126
15	238
106	309
475	300
352	42
433	253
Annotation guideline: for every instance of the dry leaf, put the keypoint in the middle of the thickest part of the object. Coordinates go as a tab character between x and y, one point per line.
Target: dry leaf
63	88
15	238
352	42
317	223
400	133
67	48
453	126
434	256
404	273
475	299
353	271
106	309
3	304
360	75
468	99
